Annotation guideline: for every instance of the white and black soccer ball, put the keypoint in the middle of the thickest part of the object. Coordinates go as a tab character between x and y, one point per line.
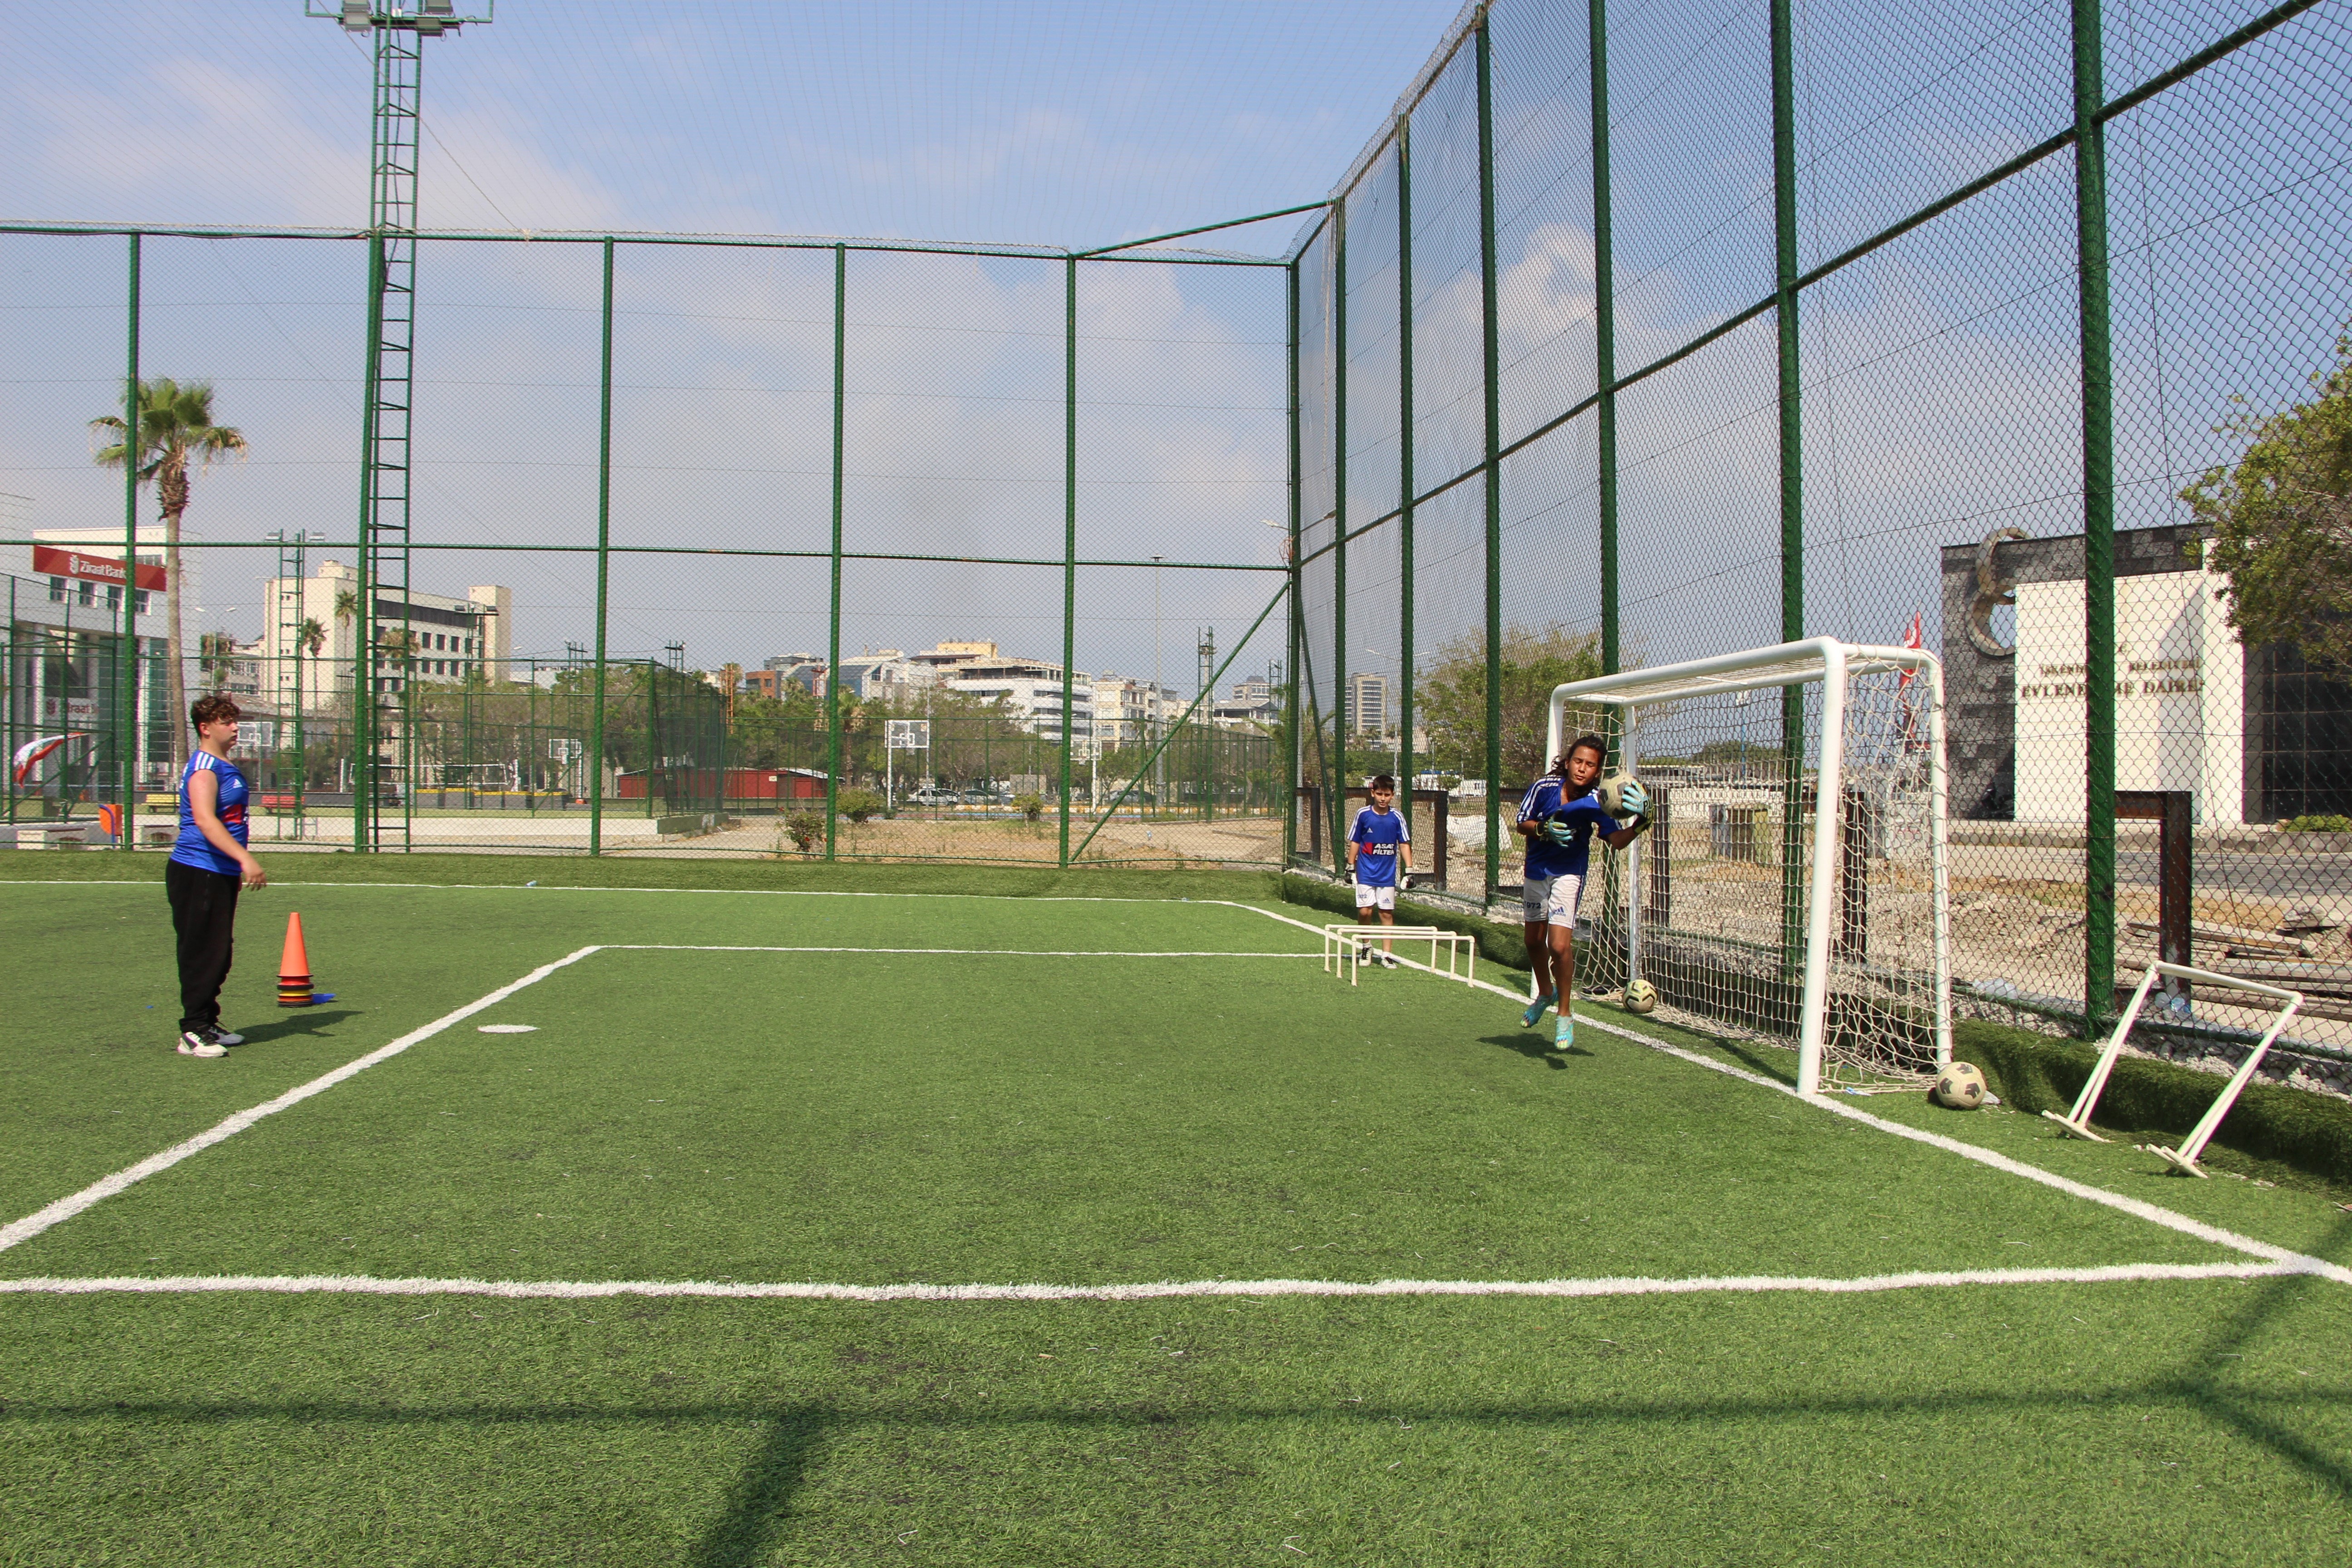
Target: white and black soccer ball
1641	997
1960	1085
1613	792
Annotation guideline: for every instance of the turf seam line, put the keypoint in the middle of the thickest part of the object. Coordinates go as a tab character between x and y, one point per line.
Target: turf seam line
2138	1209
566	1289
65	1208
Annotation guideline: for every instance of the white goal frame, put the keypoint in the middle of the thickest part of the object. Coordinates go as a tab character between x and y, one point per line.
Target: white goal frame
1831	664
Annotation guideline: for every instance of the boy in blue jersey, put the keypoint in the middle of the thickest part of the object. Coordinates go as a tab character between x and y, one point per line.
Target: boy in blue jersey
1558	816
1376	842
209	866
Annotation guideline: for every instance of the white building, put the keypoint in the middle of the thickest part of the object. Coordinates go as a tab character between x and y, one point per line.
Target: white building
312	623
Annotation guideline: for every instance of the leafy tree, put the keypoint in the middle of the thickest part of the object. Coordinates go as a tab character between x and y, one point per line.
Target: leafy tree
312	637
175	429
2282	521
1451	697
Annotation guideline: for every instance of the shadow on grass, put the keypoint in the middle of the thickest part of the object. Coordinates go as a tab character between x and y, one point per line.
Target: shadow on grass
293	1024
2236	1410
1536	1047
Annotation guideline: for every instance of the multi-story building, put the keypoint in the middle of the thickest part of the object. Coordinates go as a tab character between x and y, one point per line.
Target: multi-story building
311	626
1370	707
61	671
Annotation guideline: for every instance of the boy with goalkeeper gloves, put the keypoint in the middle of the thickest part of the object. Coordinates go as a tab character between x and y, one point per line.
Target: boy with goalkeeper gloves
1558	816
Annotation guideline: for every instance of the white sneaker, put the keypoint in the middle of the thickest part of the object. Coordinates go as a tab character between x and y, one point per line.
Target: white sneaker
194	1044
221	1036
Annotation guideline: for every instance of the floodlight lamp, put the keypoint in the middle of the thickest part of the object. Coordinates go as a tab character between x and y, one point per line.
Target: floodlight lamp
355	17
443	8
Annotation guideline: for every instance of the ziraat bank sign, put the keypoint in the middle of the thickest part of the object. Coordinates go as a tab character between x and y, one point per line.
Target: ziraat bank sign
50	560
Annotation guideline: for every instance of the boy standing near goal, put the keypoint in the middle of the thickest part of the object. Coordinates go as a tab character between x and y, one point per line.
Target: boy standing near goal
1378	840
1558	816
209	866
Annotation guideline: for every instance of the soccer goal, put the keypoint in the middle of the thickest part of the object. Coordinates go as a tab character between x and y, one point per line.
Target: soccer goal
1793	884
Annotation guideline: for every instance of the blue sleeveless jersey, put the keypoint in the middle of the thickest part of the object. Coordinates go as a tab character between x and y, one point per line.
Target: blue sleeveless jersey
192	848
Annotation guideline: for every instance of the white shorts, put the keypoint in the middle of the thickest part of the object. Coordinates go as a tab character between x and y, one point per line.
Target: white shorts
1372	897
1551	900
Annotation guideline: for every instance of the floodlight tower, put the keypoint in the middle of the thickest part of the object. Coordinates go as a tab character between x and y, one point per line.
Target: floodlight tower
384	660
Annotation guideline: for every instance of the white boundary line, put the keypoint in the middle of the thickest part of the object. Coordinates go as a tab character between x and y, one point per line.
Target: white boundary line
2301	1263
930	951
65	1208
565	1289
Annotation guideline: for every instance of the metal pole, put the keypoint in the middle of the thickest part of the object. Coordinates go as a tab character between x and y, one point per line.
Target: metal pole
1069	533
1297	621
833	619
1404	458
1494	459
2098	525
126	725
604	567
1792	492
1604	335
363	617
1337	803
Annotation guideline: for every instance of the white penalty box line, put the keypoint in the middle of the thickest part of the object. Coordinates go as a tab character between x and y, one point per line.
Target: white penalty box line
1153	1290
52	1215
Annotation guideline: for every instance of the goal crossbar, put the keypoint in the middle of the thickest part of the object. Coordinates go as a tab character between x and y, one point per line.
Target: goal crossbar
1832	664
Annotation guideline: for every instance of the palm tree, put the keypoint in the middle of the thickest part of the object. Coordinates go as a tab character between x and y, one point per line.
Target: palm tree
311	636
175	428
215	653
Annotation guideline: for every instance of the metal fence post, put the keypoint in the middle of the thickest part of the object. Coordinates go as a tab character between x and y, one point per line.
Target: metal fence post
1604	333
1297	626
1792	486
1493	458
832	617
363	618
604	564
126	723
1337	802
1070	533
1404	457
2098	525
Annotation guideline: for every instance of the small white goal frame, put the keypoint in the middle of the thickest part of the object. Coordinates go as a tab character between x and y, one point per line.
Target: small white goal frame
1831	663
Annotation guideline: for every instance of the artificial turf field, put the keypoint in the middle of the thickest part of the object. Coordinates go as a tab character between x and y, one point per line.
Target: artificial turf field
942	1091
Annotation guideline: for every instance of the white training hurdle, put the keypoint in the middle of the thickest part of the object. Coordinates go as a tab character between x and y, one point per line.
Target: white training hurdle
2078	1122
1346	946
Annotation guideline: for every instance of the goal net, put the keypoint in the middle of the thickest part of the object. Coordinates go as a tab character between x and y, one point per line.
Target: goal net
1793	884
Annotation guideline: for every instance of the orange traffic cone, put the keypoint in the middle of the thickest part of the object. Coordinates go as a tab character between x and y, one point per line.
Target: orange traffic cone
294	968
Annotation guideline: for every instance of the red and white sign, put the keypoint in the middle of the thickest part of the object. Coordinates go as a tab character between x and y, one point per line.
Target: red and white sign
49	561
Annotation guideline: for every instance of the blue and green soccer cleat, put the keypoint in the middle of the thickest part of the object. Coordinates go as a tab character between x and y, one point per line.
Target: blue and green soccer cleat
1535	1011
1566	1035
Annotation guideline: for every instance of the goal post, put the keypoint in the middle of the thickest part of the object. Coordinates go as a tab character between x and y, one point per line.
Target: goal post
1833	932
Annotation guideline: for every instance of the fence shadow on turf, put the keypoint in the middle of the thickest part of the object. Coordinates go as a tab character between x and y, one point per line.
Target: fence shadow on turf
756	1514
2234	1409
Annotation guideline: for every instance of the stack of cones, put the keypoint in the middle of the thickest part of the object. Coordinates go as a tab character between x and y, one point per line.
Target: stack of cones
294	968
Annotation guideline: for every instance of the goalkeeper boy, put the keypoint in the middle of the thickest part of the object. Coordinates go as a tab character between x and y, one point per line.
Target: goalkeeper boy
1558	816
1379	839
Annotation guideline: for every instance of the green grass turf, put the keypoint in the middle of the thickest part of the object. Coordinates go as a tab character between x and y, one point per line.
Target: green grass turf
891	1117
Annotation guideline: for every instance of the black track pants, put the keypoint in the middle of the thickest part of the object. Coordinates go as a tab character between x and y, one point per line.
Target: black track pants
203	914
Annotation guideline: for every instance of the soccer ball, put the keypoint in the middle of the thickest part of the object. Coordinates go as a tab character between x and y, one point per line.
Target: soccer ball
1960	1085
1613	793
1641	997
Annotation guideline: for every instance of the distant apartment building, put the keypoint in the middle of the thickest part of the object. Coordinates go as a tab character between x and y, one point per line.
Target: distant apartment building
1371	708
310	632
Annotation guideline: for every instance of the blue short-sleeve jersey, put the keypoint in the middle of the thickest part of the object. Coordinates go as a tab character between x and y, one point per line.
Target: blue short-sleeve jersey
192	848
1376	835
1547	794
